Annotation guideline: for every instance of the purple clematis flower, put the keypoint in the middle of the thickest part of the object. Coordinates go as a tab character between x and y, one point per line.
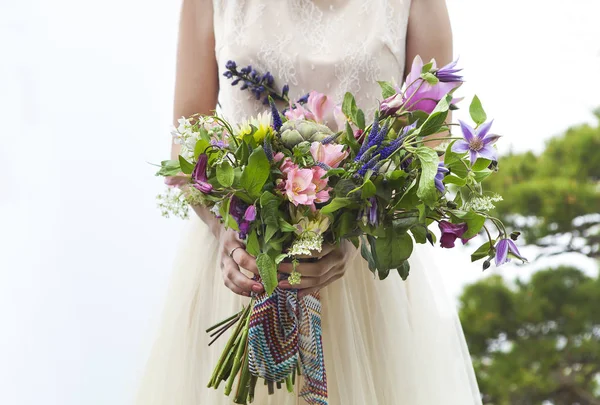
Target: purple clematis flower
199	175
373	219
477	141
442	170
503	247
450	232
421	95
448	73
250	214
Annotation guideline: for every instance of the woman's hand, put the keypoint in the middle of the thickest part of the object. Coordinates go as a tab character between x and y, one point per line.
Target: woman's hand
234	256
330	266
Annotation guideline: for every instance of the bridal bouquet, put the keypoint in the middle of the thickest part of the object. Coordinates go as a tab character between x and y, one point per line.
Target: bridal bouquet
288	184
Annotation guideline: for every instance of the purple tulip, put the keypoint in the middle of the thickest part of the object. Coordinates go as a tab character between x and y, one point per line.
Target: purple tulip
442	170
503	247
477	141
250	214
199	175
450	232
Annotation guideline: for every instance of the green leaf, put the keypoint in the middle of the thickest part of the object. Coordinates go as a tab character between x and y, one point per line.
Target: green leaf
455	163
360	119
429	165
474	222
419	233
227	219
404	269
387	90
437	118
482	251
390	251
252	245
396	174
351	140
383	274
242	153
427	67
267	269
334	172
345	224
481	164
401	225
169	168
201	146
368	189
455	180
280	258
225	174
478	115
347	104
285	226
481	175
430	78
366	254
336	204
255	173
269	214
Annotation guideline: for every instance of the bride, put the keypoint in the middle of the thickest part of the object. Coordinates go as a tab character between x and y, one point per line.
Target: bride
386	342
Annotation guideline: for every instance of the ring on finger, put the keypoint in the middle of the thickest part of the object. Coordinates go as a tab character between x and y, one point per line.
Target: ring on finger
233	251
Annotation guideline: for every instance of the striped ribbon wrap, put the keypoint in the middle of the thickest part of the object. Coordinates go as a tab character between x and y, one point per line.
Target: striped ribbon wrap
283	331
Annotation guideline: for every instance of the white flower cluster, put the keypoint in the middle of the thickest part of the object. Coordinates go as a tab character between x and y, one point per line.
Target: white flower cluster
173	202
187	134
307	243
483	202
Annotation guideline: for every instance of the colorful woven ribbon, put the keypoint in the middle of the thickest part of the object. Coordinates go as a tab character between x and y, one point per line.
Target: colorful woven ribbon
285	330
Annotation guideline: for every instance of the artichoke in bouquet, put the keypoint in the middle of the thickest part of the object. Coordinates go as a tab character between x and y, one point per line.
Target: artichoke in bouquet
296	131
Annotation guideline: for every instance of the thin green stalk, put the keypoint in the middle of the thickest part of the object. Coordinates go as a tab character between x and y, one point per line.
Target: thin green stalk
289	384
223	322
241	396
252	387
237	361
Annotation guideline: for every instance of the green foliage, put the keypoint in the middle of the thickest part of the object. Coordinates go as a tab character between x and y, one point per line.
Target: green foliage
554	188
256	173
538	341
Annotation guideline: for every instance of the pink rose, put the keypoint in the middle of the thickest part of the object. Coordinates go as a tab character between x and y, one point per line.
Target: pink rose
299	187
332	155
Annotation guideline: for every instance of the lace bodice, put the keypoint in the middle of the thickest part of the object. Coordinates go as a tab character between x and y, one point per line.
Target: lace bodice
330	46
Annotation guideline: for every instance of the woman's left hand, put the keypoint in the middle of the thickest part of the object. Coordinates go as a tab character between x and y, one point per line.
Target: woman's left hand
330	266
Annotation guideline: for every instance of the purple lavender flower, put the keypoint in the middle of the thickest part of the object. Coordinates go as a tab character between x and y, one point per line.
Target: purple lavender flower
276	117
441	173
451	232
230	65
477	142
369	165
379	138
267	148
199	175
503	248
303	99
219	143
448	73
365	145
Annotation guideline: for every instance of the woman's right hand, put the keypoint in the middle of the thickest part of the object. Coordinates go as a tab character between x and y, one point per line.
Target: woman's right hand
233	257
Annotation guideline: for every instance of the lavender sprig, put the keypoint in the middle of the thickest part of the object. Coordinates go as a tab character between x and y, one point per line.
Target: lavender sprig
260	85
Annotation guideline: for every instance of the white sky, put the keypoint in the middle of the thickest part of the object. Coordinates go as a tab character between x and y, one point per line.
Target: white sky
85	101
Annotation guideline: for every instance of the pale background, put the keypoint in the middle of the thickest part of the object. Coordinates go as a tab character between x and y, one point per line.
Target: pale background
85	101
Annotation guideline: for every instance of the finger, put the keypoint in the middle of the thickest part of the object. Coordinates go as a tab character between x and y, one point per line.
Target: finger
316	269
305	282
232	273
244	260
308	291
325	250
235	288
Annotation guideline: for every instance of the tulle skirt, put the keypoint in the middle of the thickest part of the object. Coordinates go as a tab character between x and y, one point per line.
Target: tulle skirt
388	342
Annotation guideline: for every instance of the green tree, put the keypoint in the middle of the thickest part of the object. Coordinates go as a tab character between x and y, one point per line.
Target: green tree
536	341
554	197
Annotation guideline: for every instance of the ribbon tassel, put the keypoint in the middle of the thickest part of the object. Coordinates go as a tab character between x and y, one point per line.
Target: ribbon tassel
282	331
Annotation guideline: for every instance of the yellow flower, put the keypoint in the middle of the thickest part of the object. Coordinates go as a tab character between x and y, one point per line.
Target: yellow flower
262	123
314	222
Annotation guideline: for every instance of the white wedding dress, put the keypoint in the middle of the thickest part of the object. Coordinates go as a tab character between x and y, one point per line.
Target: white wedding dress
386	342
